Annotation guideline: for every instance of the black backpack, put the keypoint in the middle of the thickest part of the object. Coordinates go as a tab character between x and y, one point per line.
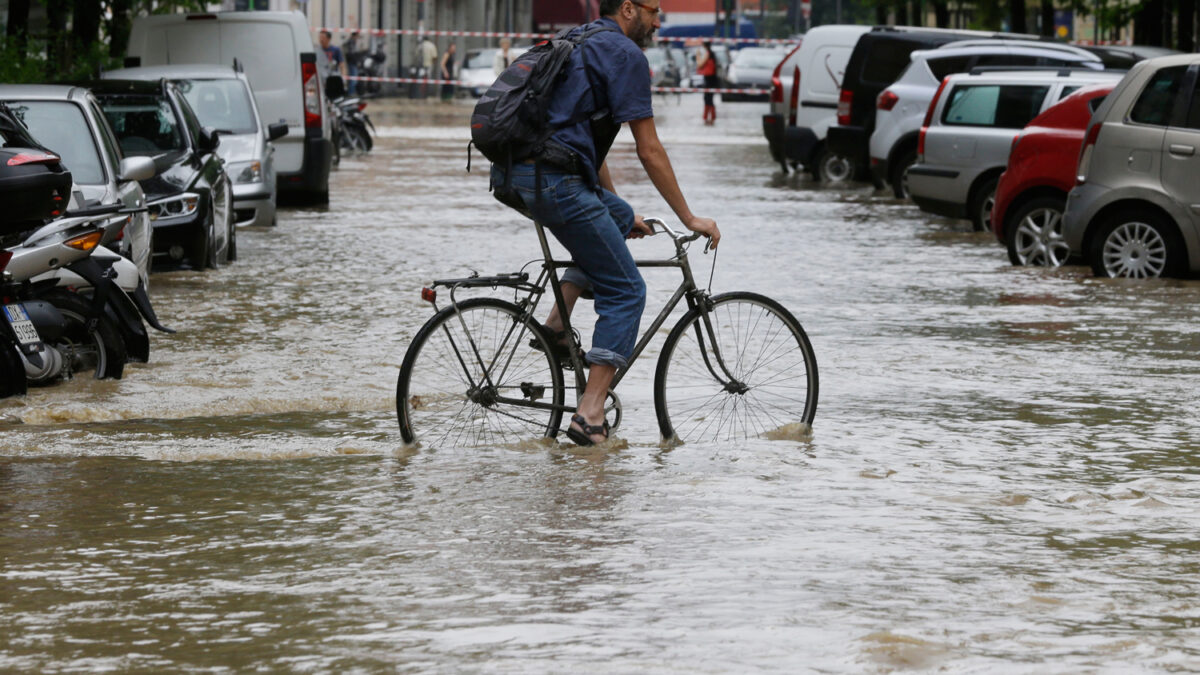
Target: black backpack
510	122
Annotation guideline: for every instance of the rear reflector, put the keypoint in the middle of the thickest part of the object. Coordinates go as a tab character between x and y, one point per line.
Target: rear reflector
33	158
887	100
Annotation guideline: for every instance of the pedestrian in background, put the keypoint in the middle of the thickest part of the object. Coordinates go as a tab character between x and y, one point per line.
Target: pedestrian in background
503	58
427	54
448	71
333	53
706	65
352	51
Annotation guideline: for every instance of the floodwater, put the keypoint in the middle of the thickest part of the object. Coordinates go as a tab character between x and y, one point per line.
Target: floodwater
1002	475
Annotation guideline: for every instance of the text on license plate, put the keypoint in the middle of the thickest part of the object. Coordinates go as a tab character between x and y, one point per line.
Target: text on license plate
22	326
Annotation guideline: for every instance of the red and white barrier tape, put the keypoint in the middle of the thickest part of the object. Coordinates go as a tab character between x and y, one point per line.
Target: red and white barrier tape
536	36
658	90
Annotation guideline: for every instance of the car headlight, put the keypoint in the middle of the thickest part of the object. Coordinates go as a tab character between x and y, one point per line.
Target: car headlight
246	172
177	206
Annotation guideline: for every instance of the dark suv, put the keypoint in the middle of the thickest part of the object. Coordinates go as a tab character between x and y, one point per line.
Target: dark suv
877	60
191	197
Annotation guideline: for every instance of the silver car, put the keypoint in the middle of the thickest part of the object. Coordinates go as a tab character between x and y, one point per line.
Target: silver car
1133	211
68	120
964	144
752	68
222	99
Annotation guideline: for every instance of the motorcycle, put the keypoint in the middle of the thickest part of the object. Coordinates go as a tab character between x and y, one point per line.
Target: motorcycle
354	124
64	307
372	66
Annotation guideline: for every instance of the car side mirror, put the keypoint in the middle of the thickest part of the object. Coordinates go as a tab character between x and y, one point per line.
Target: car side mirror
209	140
277	131
137	168
335	86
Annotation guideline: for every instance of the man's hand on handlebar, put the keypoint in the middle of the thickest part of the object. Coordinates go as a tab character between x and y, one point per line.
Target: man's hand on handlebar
640	229
706	227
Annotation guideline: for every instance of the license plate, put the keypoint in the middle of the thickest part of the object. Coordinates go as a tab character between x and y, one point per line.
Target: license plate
22	326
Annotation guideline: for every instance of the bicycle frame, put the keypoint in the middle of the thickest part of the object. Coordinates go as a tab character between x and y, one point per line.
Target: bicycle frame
687	291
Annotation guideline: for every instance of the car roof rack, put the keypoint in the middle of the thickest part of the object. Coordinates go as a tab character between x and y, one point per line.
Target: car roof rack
1061	70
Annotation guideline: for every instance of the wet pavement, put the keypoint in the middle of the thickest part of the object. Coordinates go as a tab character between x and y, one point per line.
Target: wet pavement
1002	475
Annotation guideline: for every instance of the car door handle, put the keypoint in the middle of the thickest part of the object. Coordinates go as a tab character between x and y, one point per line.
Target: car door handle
1182	150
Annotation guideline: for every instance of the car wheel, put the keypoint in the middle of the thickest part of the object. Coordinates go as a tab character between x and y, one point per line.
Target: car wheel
1136	245
980	209
899	174
1035	237
223	222
199	251
833	168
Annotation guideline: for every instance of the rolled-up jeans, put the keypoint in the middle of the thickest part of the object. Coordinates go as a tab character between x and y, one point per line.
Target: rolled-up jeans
591	223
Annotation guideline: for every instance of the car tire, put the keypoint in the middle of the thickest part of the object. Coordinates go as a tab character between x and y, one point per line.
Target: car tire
200	249
1136	244
831	168
899	174
979	208
1034	236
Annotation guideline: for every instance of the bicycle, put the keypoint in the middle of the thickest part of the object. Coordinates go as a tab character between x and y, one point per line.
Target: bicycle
485	370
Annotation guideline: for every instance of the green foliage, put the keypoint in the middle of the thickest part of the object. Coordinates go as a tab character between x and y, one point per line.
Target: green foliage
37	67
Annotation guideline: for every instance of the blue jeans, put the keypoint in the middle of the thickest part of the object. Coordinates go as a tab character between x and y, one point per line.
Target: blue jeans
591	223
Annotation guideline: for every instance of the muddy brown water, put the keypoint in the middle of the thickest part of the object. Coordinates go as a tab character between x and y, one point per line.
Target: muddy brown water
1002	475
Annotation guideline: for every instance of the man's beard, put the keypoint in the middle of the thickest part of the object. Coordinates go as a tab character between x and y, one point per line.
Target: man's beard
643	33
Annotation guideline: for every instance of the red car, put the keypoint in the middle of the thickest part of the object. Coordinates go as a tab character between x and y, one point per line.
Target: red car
1032	194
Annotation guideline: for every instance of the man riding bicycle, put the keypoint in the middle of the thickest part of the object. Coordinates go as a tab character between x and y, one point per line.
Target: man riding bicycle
575	198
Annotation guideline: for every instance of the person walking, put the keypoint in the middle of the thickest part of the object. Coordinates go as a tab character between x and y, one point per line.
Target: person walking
569	190
352	51
427	54
332	52
706	65
503	57
448	71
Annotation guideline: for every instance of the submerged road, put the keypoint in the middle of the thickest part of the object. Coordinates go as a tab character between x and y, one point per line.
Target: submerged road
1002	474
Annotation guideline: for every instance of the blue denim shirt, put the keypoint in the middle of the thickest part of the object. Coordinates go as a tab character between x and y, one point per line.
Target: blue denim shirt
621	75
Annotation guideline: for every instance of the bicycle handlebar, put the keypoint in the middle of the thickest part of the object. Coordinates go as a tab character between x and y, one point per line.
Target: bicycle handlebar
678	237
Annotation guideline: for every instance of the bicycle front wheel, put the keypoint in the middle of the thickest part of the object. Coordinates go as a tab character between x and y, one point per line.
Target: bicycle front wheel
753	376
481	374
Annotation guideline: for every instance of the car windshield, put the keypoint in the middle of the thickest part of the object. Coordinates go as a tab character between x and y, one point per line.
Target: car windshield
223	105
482	58
62	128
145	125
758	58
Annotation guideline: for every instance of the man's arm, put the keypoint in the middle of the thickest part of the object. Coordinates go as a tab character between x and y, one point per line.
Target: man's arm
606	178
658	166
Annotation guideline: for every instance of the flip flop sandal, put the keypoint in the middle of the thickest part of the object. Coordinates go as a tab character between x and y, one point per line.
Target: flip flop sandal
582	436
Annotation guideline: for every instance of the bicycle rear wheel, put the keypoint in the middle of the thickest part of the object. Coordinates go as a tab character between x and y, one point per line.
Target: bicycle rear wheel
473	377
767	387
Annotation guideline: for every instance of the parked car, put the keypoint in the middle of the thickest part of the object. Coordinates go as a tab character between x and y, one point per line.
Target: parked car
222	100
479	69
901	107
964	144
1123	57
68	120
191	197
1131	212
667	66
752	68
286	71
1032	193
804	98
879	56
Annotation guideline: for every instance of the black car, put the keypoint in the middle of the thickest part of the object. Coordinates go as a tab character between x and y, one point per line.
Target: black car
190	197
879	57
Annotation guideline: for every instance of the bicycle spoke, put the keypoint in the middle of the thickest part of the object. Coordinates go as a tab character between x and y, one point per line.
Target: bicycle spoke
449	400
761	348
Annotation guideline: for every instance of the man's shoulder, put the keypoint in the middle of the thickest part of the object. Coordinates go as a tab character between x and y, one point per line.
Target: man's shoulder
607	36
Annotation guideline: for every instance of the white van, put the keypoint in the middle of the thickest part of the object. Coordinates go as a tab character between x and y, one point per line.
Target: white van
800	117
286	72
